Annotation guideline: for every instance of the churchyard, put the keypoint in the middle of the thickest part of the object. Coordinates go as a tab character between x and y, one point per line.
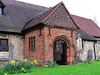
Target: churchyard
76	69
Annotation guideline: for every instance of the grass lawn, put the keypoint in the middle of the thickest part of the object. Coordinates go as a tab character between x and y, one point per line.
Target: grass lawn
84	69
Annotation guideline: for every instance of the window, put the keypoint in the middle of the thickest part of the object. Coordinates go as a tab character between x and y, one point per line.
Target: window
82	44
49	31
32	43
29	43
1	11
71	33
40	32
3	44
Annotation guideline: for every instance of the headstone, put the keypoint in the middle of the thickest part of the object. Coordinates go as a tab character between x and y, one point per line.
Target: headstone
90	55
82	58
11	52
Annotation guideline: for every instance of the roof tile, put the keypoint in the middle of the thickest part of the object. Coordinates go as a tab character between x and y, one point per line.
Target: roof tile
16	14
56	16
85	36
87	25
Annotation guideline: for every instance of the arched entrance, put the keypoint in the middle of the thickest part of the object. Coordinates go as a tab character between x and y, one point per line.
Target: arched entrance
59	52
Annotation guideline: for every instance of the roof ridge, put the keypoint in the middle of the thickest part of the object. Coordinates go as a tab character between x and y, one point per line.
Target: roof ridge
34	17
81	17
47	13
57	6
70	16
95	23
17	1
42	13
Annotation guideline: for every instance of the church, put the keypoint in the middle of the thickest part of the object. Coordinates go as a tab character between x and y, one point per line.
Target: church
37	32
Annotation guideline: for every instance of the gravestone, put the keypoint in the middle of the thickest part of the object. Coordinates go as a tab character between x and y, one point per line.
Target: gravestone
90	55
82	56
11	52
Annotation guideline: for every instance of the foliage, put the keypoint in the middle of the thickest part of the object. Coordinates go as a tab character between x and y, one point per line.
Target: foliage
24	66
89	62
84	69
95	61
85	62
75	62
52	64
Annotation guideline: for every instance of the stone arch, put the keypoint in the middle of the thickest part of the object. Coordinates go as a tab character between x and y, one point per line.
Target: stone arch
64	38
68	44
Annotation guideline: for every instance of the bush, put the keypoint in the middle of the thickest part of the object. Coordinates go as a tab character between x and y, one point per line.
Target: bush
75	62
18	67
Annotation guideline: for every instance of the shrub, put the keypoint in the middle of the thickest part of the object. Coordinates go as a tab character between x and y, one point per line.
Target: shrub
75	62
18	67
9	68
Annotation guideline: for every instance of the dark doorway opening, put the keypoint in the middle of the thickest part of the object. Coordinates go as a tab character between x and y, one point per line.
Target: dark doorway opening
59	52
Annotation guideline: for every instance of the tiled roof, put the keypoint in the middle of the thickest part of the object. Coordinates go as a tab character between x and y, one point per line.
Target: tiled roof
16	14
38	18
87	25
56	16
85	36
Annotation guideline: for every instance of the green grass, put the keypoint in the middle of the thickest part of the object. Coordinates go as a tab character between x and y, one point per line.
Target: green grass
84	69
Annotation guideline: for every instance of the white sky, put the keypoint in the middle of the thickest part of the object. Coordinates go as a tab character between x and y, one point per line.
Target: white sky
85	8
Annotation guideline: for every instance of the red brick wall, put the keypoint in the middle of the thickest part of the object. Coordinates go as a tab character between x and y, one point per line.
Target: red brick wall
38	53
44	43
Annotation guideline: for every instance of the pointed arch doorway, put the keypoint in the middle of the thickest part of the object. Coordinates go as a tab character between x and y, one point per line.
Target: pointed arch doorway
59	52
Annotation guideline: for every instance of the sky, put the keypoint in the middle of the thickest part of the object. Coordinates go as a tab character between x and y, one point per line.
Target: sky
85	8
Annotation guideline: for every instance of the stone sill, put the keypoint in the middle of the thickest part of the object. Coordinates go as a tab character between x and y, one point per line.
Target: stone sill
6	59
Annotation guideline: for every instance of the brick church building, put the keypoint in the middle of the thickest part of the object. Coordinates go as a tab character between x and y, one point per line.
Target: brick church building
37	32
51	35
